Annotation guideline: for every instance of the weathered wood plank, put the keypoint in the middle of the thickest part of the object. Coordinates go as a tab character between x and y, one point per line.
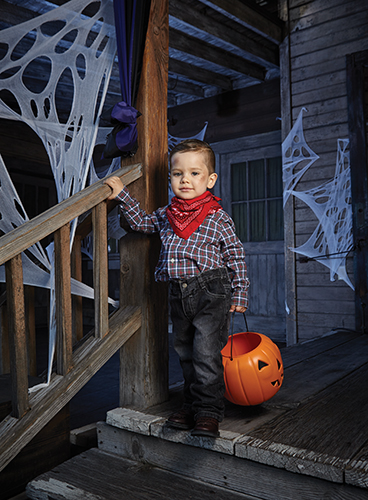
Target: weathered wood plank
219	29
95	475
187	43
100	269
245	476
350	404
63	300
17	336
326	306
303	380
46	223
319	13
252	19
46	402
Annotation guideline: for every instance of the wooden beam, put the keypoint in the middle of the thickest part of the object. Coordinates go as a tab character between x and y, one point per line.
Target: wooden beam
220	30
144	359
261	23
179	87
199	74
17	336
204	50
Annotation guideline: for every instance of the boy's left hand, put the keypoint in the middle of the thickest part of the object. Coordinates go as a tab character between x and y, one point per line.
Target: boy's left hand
238	309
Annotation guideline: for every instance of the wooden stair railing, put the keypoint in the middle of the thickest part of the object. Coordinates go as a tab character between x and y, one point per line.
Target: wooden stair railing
31	412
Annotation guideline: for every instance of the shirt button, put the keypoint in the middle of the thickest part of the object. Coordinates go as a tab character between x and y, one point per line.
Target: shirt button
172	261
184	285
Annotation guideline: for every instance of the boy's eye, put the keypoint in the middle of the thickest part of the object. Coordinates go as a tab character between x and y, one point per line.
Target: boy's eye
176	174
195	173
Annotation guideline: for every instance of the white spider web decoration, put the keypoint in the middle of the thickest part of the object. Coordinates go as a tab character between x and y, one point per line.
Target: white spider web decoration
79	54
78	51
332	239
173	141
295	153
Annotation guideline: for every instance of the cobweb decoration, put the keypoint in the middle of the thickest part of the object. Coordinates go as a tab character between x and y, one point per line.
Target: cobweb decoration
173	141
297	157
76	51
332	239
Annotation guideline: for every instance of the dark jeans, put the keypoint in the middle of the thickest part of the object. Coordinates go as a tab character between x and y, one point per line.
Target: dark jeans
200	315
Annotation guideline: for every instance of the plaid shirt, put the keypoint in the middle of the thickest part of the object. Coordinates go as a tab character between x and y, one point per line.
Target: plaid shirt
214	244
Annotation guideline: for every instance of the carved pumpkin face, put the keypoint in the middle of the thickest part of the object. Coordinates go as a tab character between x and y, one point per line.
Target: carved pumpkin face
253	368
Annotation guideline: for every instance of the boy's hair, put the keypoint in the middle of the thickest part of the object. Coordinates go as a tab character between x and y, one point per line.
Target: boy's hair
196	146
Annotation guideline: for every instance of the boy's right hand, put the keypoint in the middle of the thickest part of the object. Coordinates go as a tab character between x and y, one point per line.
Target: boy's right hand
116	186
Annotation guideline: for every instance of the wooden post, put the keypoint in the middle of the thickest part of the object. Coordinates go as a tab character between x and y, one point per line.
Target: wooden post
77	300
358	114
4	337
144	359
17	336
289	210
31	329
100	269
63	300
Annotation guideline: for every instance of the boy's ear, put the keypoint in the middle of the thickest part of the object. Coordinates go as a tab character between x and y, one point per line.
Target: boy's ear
212	180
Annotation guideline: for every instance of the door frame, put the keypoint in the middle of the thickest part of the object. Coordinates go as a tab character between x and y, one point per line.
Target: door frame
356	76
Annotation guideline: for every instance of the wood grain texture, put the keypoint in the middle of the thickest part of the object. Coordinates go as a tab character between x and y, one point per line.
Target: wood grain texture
63	300
46	402
17	336
100	269
144	359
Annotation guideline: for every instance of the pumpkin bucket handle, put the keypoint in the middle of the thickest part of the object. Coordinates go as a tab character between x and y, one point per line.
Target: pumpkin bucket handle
232	332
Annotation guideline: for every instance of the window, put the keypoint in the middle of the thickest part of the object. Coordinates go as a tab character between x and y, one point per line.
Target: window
256	199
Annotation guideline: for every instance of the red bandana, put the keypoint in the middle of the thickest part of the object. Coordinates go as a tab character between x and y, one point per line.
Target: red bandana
185	216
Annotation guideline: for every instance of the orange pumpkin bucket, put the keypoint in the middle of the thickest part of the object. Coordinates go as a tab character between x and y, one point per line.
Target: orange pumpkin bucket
253	368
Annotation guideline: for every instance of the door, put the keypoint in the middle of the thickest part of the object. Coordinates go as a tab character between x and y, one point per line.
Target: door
251	190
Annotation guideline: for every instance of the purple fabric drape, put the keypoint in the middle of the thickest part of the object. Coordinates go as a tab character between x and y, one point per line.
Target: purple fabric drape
131	21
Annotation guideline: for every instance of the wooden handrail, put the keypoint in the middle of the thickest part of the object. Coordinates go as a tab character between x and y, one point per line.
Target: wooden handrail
29	233
27	416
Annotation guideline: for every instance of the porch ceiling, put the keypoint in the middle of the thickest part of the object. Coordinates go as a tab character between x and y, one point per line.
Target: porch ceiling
215	46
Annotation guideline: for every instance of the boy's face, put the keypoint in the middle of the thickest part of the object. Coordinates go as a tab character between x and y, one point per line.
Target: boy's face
189	175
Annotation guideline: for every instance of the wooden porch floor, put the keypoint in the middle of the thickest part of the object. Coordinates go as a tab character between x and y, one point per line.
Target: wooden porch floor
316	423
318	417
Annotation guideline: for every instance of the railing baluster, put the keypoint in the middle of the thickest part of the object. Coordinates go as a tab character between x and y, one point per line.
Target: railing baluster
31	329
100	268
77	300
17	336
63	300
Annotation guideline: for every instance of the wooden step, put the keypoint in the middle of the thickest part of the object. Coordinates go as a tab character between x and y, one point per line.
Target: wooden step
97	475
231	461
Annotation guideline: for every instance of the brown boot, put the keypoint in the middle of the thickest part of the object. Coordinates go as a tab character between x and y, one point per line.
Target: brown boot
181	419
206	426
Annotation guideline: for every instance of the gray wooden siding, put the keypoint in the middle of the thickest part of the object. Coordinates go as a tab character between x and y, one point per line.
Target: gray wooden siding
323	32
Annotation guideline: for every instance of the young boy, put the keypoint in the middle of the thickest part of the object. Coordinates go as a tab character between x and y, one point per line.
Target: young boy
203	260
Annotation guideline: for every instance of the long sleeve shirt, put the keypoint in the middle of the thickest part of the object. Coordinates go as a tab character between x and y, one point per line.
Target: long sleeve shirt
214	244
